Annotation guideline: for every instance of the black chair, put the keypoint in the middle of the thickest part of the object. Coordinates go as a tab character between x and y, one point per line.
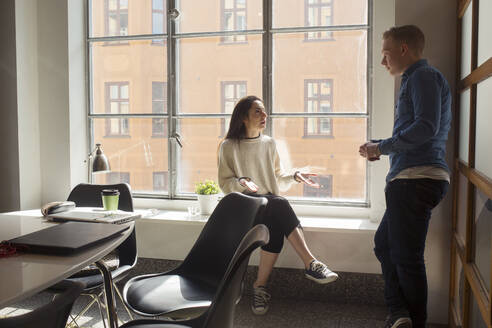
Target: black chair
51	315
189	289
220	314
89	195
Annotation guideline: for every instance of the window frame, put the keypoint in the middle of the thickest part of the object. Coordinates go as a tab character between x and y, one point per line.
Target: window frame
118	11
165	177
317	192
267	32
318	99
223	100
232	39
107	108
163	114
159	42
319	5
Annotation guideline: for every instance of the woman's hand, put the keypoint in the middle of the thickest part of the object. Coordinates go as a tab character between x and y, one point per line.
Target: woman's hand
250	185
306	178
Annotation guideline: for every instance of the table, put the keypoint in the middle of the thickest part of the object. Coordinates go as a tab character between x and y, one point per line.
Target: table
27	274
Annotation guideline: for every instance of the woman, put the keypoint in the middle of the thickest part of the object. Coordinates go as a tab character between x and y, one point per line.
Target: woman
249	163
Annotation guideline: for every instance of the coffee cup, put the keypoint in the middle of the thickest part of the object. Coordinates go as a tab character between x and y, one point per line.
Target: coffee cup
110	198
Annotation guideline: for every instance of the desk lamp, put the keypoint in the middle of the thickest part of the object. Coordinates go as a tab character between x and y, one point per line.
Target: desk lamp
100	162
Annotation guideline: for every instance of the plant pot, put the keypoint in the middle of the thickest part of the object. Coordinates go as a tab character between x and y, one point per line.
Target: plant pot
207	203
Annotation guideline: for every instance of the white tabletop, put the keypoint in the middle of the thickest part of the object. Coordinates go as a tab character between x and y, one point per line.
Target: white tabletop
24	275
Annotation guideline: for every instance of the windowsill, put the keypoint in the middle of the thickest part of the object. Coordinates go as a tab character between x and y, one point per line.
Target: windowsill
309	223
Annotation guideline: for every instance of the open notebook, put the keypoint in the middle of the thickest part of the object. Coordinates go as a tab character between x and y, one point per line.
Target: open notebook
94	214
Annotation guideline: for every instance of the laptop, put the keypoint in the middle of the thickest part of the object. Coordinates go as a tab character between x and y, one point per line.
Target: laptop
94	214
67	238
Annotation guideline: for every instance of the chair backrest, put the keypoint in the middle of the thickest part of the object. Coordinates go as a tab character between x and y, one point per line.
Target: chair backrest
212	252
221	312
51	315
89	195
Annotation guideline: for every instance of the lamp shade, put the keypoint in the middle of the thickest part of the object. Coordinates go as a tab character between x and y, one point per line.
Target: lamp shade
100	161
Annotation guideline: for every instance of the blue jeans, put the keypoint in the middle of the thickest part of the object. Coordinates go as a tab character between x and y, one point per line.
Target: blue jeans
400	243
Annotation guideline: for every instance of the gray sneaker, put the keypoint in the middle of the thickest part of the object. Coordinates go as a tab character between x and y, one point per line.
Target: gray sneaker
320	273
261	298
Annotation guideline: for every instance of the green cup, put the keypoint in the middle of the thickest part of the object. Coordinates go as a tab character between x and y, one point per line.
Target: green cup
110	198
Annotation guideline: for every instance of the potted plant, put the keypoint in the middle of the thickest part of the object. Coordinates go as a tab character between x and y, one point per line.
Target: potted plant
208	194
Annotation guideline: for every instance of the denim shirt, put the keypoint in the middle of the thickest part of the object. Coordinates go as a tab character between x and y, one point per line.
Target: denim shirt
422	120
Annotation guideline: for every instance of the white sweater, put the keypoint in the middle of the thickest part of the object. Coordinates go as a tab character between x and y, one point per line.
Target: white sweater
256	159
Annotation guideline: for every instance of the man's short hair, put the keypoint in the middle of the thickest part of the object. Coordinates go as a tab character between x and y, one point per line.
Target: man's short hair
409	34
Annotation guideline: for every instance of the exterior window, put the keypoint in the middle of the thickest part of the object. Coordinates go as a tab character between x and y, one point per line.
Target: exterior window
232	91
319	13
159	106
318	98
326	189
118	177
159	25
165	130
234	19
117	102
116	17
160	180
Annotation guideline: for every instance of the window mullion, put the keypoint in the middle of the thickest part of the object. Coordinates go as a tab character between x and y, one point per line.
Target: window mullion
268	62
171	101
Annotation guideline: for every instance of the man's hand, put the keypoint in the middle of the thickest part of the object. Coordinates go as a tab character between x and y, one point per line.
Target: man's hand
250	185
370	150
306	178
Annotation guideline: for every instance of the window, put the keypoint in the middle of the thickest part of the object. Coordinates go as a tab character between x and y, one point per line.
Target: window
159	106
231	92
116	17
117	177
117	102
234	19
160	180
325	190
319	13
186	90
159	24
318	99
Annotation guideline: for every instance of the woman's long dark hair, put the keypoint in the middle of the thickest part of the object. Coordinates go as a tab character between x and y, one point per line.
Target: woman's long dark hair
237	130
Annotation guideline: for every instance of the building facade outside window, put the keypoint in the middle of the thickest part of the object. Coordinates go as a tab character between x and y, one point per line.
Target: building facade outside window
325	190
118	177
231	92
159	23
117	102
319	13
116	17
318	99
234	13
160	181
159	106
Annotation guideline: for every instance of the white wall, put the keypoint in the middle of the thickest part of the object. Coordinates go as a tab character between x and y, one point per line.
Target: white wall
28	103
44	120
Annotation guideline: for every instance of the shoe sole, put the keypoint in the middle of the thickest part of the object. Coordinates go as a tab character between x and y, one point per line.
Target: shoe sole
402	323
322	281
259	312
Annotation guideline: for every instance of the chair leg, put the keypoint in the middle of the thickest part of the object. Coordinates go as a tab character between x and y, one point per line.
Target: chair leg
100	306
84	310
122	302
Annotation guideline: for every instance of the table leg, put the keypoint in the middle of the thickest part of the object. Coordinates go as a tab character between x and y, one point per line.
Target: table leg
108	289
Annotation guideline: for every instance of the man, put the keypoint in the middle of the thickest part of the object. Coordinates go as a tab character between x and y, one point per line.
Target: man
418	177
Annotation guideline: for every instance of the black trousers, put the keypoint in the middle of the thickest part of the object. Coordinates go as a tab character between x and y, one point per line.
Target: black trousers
400	244
280	219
